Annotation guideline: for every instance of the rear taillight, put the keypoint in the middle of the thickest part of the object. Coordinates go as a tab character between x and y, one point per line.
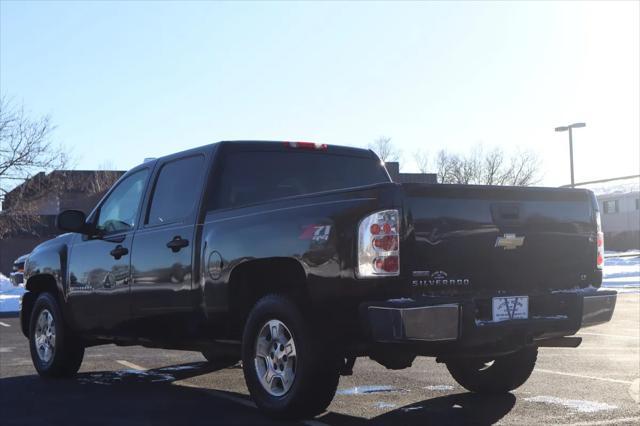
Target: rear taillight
599	243
306	145
379	244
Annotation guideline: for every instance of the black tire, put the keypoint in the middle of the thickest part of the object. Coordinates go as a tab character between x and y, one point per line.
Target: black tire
500	375
68	352
317	369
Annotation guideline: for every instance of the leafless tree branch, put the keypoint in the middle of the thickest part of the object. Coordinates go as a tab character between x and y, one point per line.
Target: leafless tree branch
26	148
421	159
385	149
488	168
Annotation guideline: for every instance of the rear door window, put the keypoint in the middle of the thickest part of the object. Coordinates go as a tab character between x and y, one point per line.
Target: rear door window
253	177
175	195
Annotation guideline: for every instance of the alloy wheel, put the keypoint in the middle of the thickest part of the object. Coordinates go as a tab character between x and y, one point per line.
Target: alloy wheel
275	358
45	336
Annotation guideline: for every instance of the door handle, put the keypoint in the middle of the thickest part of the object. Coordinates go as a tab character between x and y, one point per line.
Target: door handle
119	251
177	243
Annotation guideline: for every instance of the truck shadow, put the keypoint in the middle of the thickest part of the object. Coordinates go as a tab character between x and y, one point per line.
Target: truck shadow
457	409
158	397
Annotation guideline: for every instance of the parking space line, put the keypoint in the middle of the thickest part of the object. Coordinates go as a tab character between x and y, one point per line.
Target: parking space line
130	364
608	335
604	379
608	422
4	324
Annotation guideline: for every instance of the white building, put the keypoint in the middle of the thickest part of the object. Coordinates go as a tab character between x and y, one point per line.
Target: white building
620	213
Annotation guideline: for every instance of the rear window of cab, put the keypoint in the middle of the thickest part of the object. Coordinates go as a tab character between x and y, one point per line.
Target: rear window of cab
259	176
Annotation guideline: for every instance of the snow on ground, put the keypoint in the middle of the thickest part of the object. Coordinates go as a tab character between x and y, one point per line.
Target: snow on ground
9	295
622	271
622	186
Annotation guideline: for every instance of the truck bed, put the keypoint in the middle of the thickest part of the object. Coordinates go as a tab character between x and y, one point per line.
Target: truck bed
475	239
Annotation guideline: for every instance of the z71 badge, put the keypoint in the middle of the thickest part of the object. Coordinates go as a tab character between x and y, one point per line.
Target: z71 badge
437	279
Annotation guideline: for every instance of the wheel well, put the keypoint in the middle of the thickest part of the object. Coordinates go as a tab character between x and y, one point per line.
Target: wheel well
36	285
256	278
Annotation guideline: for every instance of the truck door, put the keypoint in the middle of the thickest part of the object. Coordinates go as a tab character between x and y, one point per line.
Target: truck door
99	268
162	263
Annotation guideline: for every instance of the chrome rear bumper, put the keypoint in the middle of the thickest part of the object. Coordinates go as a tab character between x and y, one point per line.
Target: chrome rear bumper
553	315
428	323
598	309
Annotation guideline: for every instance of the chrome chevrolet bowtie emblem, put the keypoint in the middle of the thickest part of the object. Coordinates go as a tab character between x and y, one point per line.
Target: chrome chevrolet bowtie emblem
509	241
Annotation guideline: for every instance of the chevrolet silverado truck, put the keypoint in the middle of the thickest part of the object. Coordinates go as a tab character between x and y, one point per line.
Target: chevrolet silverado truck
296	258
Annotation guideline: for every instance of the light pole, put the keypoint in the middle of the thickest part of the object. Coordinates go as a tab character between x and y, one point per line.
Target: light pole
569	128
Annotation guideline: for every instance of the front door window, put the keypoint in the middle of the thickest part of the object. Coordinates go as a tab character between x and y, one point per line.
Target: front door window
119	212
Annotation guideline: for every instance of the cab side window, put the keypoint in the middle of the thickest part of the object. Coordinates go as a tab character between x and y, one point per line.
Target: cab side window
120	210
176	192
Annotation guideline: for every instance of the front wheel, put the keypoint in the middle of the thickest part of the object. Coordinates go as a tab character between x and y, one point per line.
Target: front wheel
499	375
289	373
54	351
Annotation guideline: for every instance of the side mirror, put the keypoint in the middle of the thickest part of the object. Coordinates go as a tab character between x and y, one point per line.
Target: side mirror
72	221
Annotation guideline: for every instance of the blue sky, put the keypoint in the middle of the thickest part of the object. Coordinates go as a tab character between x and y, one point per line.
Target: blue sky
125	81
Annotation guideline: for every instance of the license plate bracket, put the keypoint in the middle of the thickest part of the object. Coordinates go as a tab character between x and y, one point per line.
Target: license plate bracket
510	308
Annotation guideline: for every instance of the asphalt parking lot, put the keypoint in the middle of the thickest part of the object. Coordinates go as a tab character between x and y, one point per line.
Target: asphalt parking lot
595	384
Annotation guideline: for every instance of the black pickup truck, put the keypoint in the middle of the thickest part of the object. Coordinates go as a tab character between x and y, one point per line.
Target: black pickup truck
297	258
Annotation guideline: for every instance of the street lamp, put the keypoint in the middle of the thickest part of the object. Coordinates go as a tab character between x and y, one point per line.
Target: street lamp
569	128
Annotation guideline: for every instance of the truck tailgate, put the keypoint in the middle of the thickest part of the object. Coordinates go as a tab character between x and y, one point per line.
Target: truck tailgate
472	238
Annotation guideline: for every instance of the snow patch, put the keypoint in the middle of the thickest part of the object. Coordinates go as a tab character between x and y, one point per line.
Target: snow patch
5	283
130	375
622	273
10	295
182	367
384	405
361	390
622	186
441	388
407	409
575	405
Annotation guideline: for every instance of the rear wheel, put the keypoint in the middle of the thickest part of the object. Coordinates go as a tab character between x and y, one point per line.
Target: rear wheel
289	373
499	375
55	352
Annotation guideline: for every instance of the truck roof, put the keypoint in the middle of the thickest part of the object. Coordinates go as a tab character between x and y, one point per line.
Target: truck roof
263	145
252	145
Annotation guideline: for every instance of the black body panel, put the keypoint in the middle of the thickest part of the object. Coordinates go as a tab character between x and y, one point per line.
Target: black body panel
193	278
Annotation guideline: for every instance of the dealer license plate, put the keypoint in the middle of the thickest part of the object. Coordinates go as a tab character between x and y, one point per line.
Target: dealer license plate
510	308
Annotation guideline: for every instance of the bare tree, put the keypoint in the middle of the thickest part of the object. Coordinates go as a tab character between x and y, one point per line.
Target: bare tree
488	168
385	149
443	167
103	178
421	159
493	163
26	148
524	169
